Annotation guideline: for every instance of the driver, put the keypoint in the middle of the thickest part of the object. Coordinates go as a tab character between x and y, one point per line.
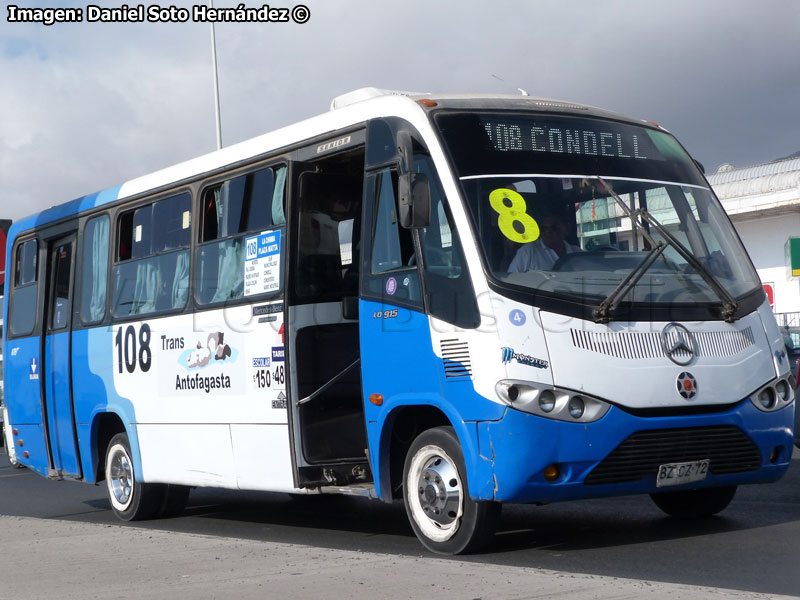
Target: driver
541	255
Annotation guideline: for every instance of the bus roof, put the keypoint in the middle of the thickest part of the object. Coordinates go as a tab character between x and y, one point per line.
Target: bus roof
346	110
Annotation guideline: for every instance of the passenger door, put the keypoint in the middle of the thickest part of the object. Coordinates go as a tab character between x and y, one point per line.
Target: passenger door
56	353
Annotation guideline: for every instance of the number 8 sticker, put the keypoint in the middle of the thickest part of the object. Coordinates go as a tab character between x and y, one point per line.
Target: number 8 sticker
515	223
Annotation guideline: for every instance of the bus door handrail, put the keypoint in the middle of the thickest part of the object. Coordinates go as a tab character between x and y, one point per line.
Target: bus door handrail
336	378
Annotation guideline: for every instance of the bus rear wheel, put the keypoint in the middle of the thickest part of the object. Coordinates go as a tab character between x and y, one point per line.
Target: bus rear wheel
694	504
442	514
131	500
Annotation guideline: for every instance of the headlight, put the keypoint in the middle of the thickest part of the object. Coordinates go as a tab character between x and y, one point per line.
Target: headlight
767	397
550	402
576	407
547	401
776	394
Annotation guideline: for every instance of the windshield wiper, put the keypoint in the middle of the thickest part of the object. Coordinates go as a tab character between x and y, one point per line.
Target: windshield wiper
602	314
728	303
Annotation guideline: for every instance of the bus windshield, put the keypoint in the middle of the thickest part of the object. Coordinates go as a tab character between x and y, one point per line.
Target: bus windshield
572	207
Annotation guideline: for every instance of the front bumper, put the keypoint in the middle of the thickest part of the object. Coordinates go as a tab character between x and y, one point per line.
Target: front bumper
521	445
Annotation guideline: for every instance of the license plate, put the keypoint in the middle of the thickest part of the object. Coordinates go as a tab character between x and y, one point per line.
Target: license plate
680	473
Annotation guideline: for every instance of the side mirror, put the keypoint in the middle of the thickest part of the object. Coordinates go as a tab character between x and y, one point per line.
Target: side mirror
350	308
414	202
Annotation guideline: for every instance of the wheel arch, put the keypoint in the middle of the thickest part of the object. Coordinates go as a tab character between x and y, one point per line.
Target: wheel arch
402	424
105	426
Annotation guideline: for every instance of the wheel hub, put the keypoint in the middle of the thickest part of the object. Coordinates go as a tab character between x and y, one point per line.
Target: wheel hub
439	491
121	477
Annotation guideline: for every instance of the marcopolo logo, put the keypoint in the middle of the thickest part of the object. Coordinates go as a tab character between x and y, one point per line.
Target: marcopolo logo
277	354
508	354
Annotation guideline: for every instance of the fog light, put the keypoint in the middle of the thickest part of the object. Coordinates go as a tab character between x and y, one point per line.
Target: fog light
551	473
547	401
767	397
576	407
783	390
776	454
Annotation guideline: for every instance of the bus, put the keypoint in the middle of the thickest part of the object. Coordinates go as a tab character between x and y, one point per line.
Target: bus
453	301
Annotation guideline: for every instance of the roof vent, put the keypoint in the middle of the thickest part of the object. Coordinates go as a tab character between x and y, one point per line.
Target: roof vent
726	168
367	93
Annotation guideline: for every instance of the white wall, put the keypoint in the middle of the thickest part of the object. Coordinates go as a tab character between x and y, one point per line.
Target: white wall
764	239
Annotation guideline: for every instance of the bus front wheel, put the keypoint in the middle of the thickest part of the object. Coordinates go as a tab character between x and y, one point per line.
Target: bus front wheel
436	496
131	500
694	504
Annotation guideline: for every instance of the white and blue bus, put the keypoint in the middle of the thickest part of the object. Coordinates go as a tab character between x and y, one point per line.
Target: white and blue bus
460	301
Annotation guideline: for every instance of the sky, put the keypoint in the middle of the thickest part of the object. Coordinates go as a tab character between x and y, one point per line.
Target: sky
86	106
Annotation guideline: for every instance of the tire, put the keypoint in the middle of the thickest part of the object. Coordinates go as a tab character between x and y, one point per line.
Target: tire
131	500
442	514
694	504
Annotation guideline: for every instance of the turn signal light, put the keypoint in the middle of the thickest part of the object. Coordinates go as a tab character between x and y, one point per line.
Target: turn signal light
19	443
551	473
376	399
428	103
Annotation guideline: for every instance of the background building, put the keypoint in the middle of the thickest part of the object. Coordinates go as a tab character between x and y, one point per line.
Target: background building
763	202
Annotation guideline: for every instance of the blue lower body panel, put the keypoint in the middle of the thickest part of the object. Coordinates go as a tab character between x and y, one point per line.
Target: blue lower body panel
521	446
32	438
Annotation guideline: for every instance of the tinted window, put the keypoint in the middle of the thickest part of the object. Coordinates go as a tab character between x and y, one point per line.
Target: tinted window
26	263
62	267
95	270
392	247
393	275
152	273
250	203
26	289
447	285
328	219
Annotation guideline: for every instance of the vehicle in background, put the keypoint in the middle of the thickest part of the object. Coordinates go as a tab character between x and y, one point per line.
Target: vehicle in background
791	340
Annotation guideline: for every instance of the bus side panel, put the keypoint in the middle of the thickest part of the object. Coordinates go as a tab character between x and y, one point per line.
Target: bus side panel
92	372
263	458
23	400
398	362
198	382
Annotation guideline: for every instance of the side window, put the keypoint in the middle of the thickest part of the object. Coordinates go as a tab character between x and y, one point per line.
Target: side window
94	270
152	270
393	274
329	228
449	291
62	271
392	246
250	203
26	289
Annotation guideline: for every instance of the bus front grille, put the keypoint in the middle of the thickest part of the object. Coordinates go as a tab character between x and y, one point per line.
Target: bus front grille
727	447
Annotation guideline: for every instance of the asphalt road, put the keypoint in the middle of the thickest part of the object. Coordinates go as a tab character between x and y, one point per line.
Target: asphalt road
753	546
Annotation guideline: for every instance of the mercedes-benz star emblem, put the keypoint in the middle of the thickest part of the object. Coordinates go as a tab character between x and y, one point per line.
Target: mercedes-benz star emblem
678	343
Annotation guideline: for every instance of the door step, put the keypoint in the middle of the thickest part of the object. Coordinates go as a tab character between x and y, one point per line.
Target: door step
365	490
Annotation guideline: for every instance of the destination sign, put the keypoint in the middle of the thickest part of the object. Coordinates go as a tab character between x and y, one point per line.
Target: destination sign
613	141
